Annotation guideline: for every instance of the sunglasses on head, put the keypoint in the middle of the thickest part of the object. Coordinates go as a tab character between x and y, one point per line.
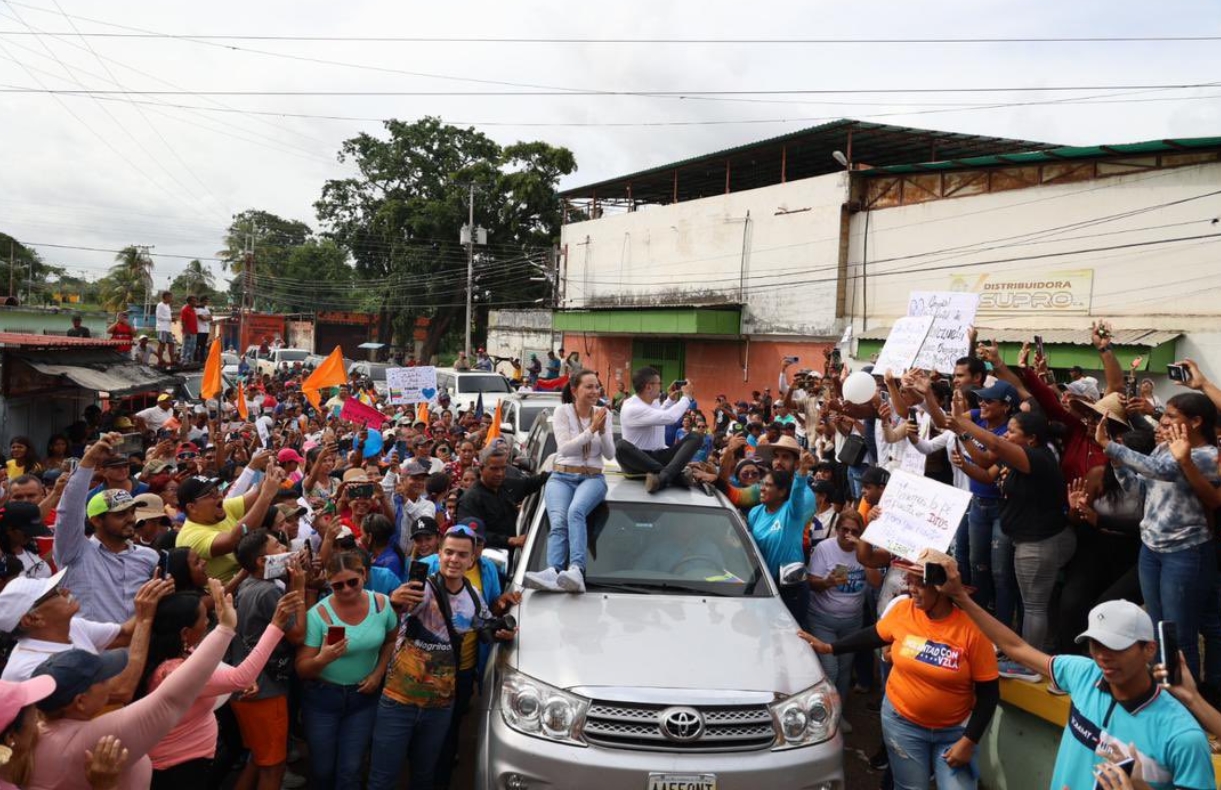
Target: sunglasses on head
347	583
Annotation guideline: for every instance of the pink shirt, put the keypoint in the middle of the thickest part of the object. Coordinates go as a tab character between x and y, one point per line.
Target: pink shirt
194	736
59	759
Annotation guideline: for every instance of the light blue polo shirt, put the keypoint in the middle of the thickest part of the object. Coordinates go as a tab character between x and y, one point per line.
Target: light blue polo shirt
1171	746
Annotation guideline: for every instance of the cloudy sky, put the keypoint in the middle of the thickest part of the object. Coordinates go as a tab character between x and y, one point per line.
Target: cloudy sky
169	170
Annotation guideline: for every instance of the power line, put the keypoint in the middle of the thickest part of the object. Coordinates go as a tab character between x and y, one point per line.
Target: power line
640	93
649	41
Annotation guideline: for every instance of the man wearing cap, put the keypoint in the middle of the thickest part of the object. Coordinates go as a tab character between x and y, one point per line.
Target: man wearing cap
421	449
78	329
20	524
116	474
1118	711
154	418
290	460
411	503
47	619
214	525
784	456
106	570
151	520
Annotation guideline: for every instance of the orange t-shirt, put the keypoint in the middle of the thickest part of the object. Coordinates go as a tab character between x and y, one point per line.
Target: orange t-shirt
936	665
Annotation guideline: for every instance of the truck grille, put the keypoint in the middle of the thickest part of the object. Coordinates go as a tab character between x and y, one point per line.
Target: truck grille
727	728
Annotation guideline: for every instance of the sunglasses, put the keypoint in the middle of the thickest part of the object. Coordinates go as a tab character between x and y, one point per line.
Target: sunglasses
347	584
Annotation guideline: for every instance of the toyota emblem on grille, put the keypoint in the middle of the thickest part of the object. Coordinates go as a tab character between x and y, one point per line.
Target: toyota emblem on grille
682	724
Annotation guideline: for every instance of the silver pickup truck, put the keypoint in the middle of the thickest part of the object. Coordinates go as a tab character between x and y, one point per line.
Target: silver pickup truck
678	669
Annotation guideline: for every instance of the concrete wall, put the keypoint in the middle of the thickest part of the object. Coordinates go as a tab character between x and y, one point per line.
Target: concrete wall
703	251
519	333
947	244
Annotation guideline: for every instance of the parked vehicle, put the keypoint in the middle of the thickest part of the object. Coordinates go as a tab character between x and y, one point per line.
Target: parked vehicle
229	363
188	384
279	356
519	410
679	667
465	386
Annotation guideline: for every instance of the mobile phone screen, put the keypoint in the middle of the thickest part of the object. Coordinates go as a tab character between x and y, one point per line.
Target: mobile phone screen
1168	649
418	572
335	634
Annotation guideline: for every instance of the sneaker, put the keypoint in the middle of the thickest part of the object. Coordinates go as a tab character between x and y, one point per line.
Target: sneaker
542	580
292	781
1015	671
652	483
571	580
845	726
880	761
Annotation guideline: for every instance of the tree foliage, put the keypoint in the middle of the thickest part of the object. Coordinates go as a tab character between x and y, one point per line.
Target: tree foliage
129	281
195	280
400	215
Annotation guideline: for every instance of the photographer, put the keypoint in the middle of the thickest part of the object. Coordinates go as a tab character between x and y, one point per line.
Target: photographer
421	688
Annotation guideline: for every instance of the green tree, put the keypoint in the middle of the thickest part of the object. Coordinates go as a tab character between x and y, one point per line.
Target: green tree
129	281
23	271
400	215
195	280
317	277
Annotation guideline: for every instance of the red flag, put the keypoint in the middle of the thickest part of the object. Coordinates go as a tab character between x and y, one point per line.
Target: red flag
355	411
551	385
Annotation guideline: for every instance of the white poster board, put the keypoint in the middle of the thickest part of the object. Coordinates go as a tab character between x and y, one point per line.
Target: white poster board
917	513
948	339
902	345
263	426
411	385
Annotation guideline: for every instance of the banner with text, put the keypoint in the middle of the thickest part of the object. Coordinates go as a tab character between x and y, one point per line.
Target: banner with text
917	513
949	338
411	385
355	411
903	344
1066	292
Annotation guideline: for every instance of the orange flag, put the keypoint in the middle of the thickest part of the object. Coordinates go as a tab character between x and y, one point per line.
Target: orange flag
494	431
212	384
329	374
242	410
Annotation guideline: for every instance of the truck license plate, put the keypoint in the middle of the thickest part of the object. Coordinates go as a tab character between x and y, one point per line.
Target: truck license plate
682	782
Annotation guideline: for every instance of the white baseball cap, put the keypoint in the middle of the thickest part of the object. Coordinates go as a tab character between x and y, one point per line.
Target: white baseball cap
1118	625
20	595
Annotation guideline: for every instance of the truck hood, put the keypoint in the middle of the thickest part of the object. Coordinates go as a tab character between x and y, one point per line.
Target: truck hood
662	641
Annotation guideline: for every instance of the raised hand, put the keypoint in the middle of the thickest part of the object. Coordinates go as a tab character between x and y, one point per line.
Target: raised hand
226	615
287	604
1195	379
149	595
105	762
1178	442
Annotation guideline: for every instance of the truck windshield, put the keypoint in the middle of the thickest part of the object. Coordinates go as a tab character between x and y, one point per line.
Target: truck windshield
673	549
488	383
291	356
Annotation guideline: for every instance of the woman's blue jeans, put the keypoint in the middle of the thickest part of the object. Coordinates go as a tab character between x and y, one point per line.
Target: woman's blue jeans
830	630
1176	585
991	554
570	498
338	722
407	731
916	754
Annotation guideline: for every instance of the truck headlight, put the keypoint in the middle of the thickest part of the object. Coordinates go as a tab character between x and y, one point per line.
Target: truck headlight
808	717
535	708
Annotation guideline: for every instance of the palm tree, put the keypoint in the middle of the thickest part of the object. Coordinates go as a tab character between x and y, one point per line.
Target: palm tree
195	279
129	280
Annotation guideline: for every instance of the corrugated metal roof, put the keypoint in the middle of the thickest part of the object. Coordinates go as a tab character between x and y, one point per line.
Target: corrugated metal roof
1174	145
101	370
800	154
25	340
1072	337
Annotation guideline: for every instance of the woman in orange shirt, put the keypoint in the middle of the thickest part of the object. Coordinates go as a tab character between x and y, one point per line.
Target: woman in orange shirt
941	692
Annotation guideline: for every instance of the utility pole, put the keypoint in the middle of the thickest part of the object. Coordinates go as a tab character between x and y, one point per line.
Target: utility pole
247	305
12	264
470	263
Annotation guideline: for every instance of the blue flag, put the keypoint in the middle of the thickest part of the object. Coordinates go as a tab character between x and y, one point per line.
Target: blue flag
479	407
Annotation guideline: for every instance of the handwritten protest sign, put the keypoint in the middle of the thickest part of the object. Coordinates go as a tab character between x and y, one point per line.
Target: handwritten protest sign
949	338
355	411
411	385
903	344
263	426
917	513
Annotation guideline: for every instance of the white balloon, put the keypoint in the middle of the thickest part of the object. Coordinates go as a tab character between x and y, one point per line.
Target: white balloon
859	387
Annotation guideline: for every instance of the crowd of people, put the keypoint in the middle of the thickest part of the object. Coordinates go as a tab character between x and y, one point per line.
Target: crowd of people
256	578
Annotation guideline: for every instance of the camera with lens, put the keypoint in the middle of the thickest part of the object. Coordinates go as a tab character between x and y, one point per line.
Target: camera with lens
487	627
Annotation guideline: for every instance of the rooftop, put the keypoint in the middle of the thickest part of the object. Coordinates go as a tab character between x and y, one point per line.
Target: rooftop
32	342
791	156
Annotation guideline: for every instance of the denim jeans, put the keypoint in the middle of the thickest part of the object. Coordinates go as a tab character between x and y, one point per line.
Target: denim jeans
962	550
983	515
463	691
338	722
1176	585
188	347
406	731
1004	579
916	753
1037	565
570	499
830	630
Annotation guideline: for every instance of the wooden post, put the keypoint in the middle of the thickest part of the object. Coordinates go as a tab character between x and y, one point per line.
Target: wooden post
784	162
727	176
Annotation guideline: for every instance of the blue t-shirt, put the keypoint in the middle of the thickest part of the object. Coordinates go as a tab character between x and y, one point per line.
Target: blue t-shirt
779	534
1170	745
985	490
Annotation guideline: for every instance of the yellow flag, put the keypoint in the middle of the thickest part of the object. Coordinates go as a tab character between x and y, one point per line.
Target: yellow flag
212	385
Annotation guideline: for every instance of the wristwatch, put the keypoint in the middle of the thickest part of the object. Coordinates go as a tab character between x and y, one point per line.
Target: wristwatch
965	436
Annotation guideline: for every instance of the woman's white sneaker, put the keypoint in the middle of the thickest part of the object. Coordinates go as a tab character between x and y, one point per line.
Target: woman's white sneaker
542	580
571	580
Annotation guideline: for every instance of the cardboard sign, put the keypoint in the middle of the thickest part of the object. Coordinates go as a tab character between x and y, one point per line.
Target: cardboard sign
948	339
355	411
263	426
411	385
903	344
917	513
